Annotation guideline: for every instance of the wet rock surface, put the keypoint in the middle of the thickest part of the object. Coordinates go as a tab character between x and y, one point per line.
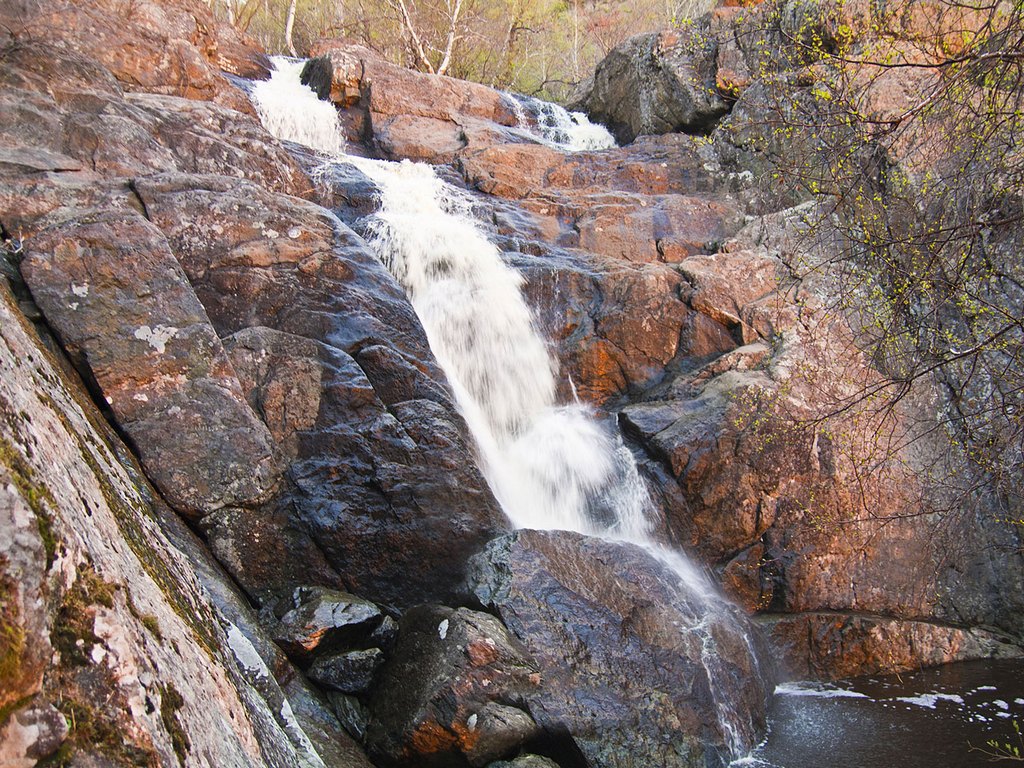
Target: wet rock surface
281	395
124	310
607	624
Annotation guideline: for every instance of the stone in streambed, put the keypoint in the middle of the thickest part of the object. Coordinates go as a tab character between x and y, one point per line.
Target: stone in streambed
314	620
452	692
349	671
622	644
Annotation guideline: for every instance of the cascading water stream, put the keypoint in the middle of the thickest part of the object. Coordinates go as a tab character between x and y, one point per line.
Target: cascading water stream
557	127
550	466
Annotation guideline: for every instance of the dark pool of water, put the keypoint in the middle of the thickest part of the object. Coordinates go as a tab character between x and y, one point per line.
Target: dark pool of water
936	718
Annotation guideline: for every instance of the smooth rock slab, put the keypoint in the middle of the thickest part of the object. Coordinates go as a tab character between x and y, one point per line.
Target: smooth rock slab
124	310
635	663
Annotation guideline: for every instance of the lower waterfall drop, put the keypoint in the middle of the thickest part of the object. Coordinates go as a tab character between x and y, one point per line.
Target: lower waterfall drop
551	466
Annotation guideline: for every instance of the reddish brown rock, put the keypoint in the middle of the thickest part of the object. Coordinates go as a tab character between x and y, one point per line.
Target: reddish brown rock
663	228
124	310
384	500
413	115
513	171
236	241
725	283
831	646
149	46
615	325
85	121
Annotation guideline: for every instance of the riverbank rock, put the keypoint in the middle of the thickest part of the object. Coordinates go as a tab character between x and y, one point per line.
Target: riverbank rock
175	49
621	640
111	649
454	691
124	310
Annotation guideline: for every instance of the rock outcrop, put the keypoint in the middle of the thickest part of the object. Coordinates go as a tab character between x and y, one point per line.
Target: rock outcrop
660	82
111	649
286	427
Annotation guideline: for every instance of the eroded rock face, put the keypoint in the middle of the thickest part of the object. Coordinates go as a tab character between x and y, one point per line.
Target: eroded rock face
123	308
616	634
156	47
411	115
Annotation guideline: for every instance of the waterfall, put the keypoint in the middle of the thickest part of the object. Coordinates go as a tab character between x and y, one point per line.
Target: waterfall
292	112
555	126
551	466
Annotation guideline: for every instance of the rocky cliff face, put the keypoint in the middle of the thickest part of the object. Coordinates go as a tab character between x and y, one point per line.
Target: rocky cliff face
268	387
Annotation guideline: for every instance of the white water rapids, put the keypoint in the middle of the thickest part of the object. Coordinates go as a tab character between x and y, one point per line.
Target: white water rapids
551	466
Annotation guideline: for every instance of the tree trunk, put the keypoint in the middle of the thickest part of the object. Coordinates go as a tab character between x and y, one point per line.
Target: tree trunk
288	26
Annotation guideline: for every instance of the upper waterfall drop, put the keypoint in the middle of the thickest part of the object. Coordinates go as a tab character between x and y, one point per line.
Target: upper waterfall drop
295	113
557	127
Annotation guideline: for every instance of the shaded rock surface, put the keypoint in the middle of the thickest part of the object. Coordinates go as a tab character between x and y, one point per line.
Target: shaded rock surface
659	82
313	621
454	692
140	667
349	671
621	641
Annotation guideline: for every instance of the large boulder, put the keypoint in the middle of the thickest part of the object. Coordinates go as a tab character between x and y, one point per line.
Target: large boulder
408	114
659	82
384	499
125	311
641	662
454	693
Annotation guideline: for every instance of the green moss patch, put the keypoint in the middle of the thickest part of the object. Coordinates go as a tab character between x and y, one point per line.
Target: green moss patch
170	702
72	633
38	497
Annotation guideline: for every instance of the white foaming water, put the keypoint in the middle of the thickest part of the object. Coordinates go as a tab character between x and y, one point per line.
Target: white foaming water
295	113
550	466
556	127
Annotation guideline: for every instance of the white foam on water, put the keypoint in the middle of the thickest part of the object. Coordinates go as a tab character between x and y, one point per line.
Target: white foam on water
817	690
930	700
